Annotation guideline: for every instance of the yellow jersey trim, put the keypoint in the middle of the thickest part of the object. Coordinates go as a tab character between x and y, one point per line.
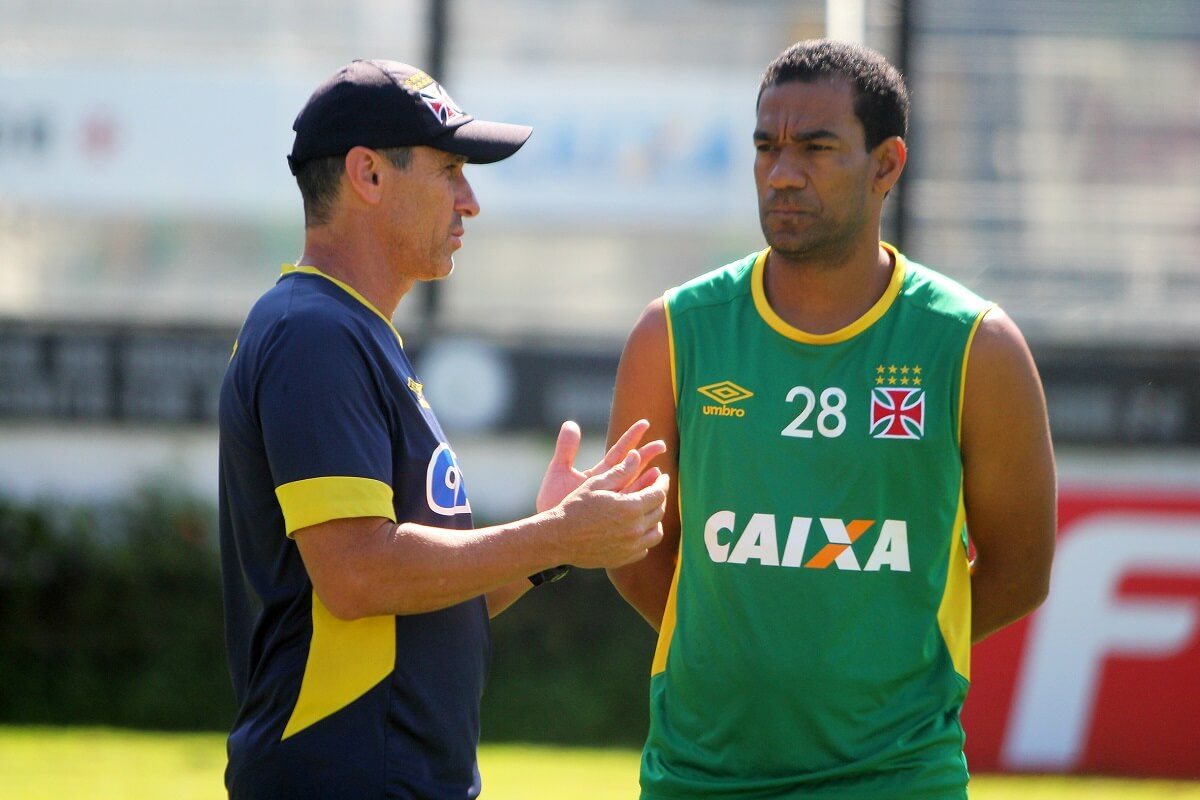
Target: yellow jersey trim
345	661
962	379
347	288
758	290
671	349
954	612
315	500
667	629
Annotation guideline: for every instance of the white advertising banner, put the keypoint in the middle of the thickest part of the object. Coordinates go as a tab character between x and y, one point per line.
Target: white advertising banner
163	141
623	147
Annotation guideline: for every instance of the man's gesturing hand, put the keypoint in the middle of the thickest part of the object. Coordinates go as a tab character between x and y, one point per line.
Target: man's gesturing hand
562	477
611	520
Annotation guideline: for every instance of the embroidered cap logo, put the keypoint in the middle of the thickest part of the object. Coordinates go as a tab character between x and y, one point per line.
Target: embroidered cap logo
440	103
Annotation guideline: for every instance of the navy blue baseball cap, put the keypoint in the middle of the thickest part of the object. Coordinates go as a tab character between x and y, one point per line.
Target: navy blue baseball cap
381	104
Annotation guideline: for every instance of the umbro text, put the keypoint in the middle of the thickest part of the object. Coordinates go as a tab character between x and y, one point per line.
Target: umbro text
723	411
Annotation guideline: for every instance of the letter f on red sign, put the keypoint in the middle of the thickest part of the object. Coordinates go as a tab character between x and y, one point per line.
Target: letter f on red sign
1084	621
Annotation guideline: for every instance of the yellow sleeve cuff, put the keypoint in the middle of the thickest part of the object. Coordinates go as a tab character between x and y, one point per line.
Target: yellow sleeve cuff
316	500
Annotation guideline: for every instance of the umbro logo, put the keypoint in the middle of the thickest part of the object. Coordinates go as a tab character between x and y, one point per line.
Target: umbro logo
725	393
419	390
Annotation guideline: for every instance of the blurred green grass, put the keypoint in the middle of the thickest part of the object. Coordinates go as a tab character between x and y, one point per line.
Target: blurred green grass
38	763
103	764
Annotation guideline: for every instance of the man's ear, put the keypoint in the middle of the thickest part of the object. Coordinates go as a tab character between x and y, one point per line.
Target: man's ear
890	156
362	171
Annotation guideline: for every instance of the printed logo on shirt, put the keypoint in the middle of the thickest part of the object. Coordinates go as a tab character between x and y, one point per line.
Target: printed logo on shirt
419	390
444	488
759	540
897	413
725	393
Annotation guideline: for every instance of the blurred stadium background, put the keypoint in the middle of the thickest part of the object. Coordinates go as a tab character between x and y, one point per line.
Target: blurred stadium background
145	203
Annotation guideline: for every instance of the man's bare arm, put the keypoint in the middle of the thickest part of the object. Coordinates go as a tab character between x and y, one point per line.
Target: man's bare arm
370	566
644	390
1008	479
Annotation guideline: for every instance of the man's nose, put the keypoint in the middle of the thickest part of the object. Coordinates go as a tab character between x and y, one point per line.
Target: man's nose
789	171
464	199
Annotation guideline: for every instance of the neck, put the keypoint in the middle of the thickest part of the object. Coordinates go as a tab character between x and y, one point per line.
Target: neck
357	259
823	294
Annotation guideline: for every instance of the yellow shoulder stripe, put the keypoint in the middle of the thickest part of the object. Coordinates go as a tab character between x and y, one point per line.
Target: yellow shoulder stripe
671	348
316	500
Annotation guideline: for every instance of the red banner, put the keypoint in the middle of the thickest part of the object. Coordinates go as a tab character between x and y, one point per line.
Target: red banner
1105	676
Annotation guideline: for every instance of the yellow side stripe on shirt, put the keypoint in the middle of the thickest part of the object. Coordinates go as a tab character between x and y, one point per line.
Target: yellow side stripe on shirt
345	661
666	631
316	500
954	612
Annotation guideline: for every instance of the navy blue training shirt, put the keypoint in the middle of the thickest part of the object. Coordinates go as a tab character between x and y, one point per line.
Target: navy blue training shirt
322	418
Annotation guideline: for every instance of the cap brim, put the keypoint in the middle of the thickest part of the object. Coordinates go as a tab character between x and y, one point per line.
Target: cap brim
483	142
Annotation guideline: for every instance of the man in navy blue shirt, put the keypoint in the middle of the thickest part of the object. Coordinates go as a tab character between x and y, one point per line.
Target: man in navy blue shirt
357	590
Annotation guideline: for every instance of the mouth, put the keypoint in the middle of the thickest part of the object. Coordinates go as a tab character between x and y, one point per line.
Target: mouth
788	205
789	213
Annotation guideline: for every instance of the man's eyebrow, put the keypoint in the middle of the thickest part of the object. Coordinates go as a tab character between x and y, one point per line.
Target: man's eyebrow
805	136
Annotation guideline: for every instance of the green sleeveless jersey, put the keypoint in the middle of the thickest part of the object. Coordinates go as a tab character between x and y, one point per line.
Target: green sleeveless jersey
816	639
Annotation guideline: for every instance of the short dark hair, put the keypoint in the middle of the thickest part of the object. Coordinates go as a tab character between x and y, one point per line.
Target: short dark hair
880	96
320	179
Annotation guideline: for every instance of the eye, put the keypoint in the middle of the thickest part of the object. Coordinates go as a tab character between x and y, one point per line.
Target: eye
764	147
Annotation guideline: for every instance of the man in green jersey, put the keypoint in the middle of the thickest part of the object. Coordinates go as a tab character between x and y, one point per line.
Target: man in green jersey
839	421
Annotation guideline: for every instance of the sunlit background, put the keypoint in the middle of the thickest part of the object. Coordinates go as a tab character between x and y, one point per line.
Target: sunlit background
1055	167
